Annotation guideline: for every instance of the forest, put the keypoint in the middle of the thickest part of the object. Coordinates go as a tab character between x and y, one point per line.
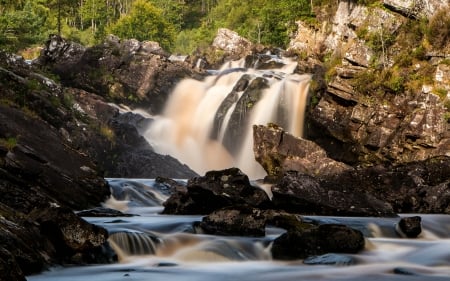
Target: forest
180	26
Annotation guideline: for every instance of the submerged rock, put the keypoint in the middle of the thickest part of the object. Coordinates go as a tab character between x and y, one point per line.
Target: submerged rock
330	259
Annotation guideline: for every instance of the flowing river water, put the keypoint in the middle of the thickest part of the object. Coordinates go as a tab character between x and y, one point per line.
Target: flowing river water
207	125
154	247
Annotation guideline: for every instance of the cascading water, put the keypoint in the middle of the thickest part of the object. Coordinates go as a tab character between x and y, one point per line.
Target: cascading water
156	247
208	124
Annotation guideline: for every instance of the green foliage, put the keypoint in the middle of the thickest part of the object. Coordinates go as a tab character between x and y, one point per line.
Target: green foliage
145	22
23	27
373	82
263	21
8	143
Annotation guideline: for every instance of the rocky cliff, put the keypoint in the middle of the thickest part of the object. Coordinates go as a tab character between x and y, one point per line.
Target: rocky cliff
382	95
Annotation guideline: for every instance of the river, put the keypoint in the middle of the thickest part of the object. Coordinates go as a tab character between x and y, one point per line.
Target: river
154	247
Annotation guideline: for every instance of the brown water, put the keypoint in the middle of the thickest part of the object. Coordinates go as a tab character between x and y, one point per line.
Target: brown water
161	247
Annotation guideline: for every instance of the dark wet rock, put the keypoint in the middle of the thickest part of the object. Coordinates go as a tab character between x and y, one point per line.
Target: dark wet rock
330	259
235	221
167	186
310	182
278	152
9	267
319	240
304	194
116	144
241	114
416	187
69	234
44	175
102	212
409	227
40	161
215	190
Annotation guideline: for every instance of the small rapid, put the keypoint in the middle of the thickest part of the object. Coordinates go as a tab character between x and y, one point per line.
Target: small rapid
151	246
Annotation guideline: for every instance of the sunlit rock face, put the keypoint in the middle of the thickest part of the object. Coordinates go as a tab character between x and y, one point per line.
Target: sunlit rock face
416	9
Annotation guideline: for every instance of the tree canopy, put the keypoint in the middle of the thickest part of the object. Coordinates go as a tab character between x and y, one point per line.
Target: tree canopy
178	25
145	22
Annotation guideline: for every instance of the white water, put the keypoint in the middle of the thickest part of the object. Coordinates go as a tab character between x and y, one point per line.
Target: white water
185	128
160	247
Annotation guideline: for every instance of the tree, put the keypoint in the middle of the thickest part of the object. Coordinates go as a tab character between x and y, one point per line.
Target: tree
145	22
24	27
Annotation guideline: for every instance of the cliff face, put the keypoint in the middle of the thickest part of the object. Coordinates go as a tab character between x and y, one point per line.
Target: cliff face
383	95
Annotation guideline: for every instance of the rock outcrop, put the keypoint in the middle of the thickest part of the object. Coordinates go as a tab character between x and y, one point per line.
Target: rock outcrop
279	152
316	184
42	178
123	71
398	119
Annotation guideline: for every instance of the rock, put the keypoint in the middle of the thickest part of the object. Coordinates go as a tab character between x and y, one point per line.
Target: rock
359	54
303	194
117	146
40	160
278	152
414	8
416	187
9	267
60	51
235	221
128	71
69	234
307	41
215	190
41	168
241	114
231	43
409	227
319	240
405	128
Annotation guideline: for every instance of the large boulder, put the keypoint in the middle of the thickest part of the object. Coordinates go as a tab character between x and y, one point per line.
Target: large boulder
215	190
230	42
317	240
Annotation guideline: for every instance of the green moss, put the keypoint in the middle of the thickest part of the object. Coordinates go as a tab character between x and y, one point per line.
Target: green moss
107	132
8	143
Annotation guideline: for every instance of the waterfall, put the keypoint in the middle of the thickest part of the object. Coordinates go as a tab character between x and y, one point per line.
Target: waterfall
208	124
